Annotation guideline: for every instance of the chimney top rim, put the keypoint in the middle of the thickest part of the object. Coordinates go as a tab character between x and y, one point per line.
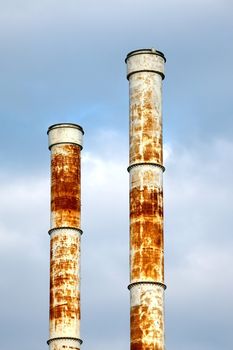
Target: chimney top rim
65	125
151	51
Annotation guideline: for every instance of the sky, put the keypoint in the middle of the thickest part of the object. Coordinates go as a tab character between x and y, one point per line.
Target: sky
63	61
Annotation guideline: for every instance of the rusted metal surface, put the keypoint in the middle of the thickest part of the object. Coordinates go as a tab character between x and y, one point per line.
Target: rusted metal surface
64	283
145	71
65	237
146	224
147	317
145	118
65	186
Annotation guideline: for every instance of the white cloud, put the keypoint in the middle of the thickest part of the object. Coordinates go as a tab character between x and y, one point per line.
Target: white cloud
104	13
198	189
25	209
24	254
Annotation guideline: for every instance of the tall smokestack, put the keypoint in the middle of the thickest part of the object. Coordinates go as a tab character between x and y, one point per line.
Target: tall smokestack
145	72
65	144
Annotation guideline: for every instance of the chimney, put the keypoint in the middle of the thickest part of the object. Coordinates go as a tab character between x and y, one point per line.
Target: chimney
65	144
145	72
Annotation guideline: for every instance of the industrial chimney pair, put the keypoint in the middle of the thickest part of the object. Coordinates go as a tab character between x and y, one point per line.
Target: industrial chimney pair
145	72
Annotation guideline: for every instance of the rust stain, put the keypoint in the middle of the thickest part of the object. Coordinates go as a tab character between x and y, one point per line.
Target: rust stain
145	126
146	202
65	186
64	280
143	333
146	234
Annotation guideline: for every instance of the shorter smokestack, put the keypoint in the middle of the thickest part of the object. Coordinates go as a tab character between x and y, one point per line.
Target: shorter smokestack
65	144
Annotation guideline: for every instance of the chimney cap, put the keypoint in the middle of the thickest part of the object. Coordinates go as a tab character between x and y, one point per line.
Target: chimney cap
65	133
151	51
65	125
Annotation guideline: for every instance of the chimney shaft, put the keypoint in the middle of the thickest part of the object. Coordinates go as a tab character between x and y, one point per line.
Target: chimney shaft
65	144
145	72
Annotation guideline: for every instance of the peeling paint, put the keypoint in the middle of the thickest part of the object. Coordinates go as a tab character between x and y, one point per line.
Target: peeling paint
64	283
65	186
146	224
147	317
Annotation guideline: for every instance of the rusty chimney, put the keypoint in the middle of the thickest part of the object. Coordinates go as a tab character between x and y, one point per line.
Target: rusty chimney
145	72
65	144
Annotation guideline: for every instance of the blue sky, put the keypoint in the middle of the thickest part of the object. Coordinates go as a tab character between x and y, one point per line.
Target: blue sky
64	61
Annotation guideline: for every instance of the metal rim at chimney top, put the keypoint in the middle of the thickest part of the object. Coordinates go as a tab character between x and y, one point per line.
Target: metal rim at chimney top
68	125
145	61
151	51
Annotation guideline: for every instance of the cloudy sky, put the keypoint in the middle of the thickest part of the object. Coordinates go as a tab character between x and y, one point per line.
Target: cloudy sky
63	61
